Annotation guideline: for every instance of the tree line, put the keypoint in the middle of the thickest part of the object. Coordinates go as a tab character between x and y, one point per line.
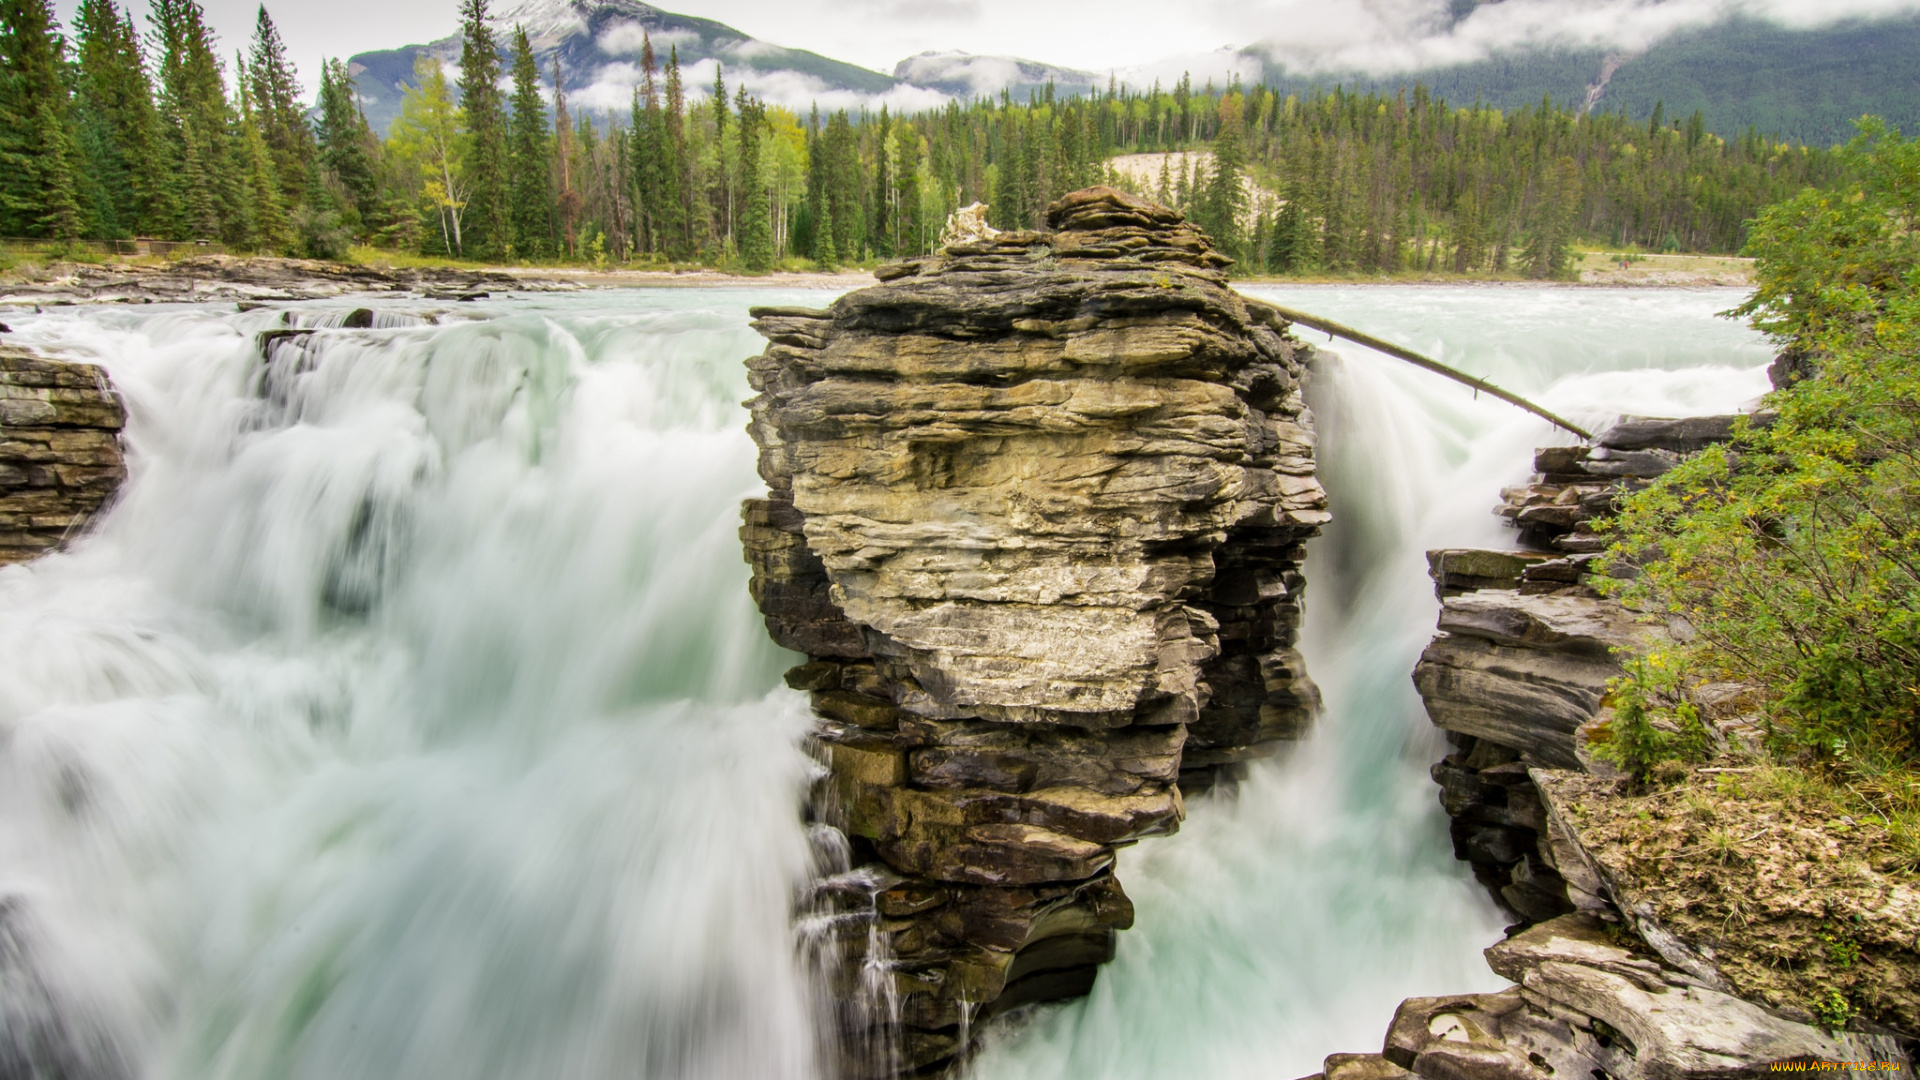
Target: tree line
120	134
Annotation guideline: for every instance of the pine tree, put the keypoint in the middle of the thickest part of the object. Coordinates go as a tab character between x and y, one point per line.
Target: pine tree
906	189
267	214
676	185
819	202
126	153
756	228
722	194
345	149
881	230
530	155
490	206
1224	201
841	149
194	115
38	156
275	87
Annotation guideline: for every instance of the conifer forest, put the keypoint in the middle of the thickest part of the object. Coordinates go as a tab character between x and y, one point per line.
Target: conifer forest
107	132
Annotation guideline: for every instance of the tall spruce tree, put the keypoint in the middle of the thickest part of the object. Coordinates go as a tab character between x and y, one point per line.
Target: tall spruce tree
1224	202
346	145
266	212
490	208
722	194
195	117
676	184
756	224
275	89
906	190
881	228
39	158
530	152
126	153
649	138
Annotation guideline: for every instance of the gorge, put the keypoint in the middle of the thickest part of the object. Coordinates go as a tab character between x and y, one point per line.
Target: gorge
409	712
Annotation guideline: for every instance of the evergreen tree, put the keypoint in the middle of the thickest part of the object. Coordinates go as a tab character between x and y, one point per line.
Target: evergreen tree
841	176
722	193
881	230
267	214
275	88
490	206
345	144
906	190
530	154
819	202
756	227
676	184
126	152
39	159
198	123
1224	201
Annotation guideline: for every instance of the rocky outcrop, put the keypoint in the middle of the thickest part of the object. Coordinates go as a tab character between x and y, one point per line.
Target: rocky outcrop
1575	485
1615	974
1588	1002
60	456
1036	513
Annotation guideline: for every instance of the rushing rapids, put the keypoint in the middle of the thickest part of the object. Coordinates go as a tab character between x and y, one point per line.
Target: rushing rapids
408	714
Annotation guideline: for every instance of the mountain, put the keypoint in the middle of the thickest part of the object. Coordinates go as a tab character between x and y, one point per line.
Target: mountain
963	75
598	44
1802	84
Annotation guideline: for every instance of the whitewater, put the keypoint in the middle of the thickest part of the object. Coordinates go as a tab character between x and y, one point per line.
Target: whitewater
408	715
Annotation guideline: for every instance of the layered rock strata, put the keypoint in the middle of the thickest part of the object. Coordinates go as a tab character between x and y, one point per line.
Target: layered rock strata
1517	677
1590	1003
60	456
1036	512
1526	647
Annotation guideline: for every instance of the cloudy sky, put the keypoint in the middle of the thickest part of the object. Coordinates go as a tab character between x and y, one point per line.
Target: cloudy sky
1135	36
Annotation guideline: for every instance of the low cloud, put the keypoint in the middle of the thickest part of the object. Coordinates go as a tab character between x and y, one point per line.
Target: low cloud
1385	36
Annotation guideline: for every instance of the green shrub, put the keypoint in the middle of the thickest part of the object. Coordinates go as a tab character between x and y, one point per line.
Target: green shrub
1794	552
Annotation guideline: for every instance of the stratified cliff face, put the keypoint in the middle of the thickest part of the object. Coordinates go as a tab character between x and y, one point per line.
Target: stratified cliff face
60	458
1036	513
1616	975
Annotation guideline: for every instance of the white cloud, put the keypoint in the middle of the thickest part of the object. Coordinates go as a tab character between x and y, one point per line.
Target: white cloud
1385	36
621	38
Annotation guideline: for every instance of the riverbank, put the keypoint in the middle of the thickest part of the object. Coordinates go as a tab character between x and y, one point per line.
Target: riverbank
214	278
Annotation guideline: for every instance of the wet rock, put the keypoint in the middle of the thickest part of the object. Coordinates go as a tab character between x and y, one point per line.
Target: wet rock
60	455
1036	511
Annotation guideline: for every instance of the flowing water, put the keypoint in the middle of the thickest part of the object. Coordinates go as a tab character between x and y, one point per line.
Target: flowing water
408	715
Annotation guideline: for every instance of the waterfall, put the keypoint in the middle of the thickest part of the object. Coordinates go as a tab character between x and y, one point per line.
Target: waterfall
408	715
1286	921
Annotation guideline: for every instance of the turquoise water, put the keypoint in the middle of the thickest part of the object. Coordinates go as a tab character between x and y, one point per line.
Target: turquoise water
408	715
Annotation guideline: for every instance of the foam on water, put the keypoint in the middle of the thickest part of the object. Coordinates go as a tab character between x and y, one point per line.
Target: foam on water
408	715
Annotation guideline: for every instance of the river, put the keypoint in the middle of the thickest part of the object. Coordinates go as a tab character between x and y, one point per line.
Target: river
408	716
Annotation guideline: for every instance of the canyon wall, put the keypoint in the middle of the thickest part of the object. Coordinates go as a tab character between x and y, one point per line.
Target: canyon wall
1036	514
1615	977
60	457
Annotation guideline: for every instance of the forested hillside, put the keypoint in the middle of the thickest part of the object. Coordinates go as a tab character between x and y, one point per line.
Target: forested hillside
1805	84
104	139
